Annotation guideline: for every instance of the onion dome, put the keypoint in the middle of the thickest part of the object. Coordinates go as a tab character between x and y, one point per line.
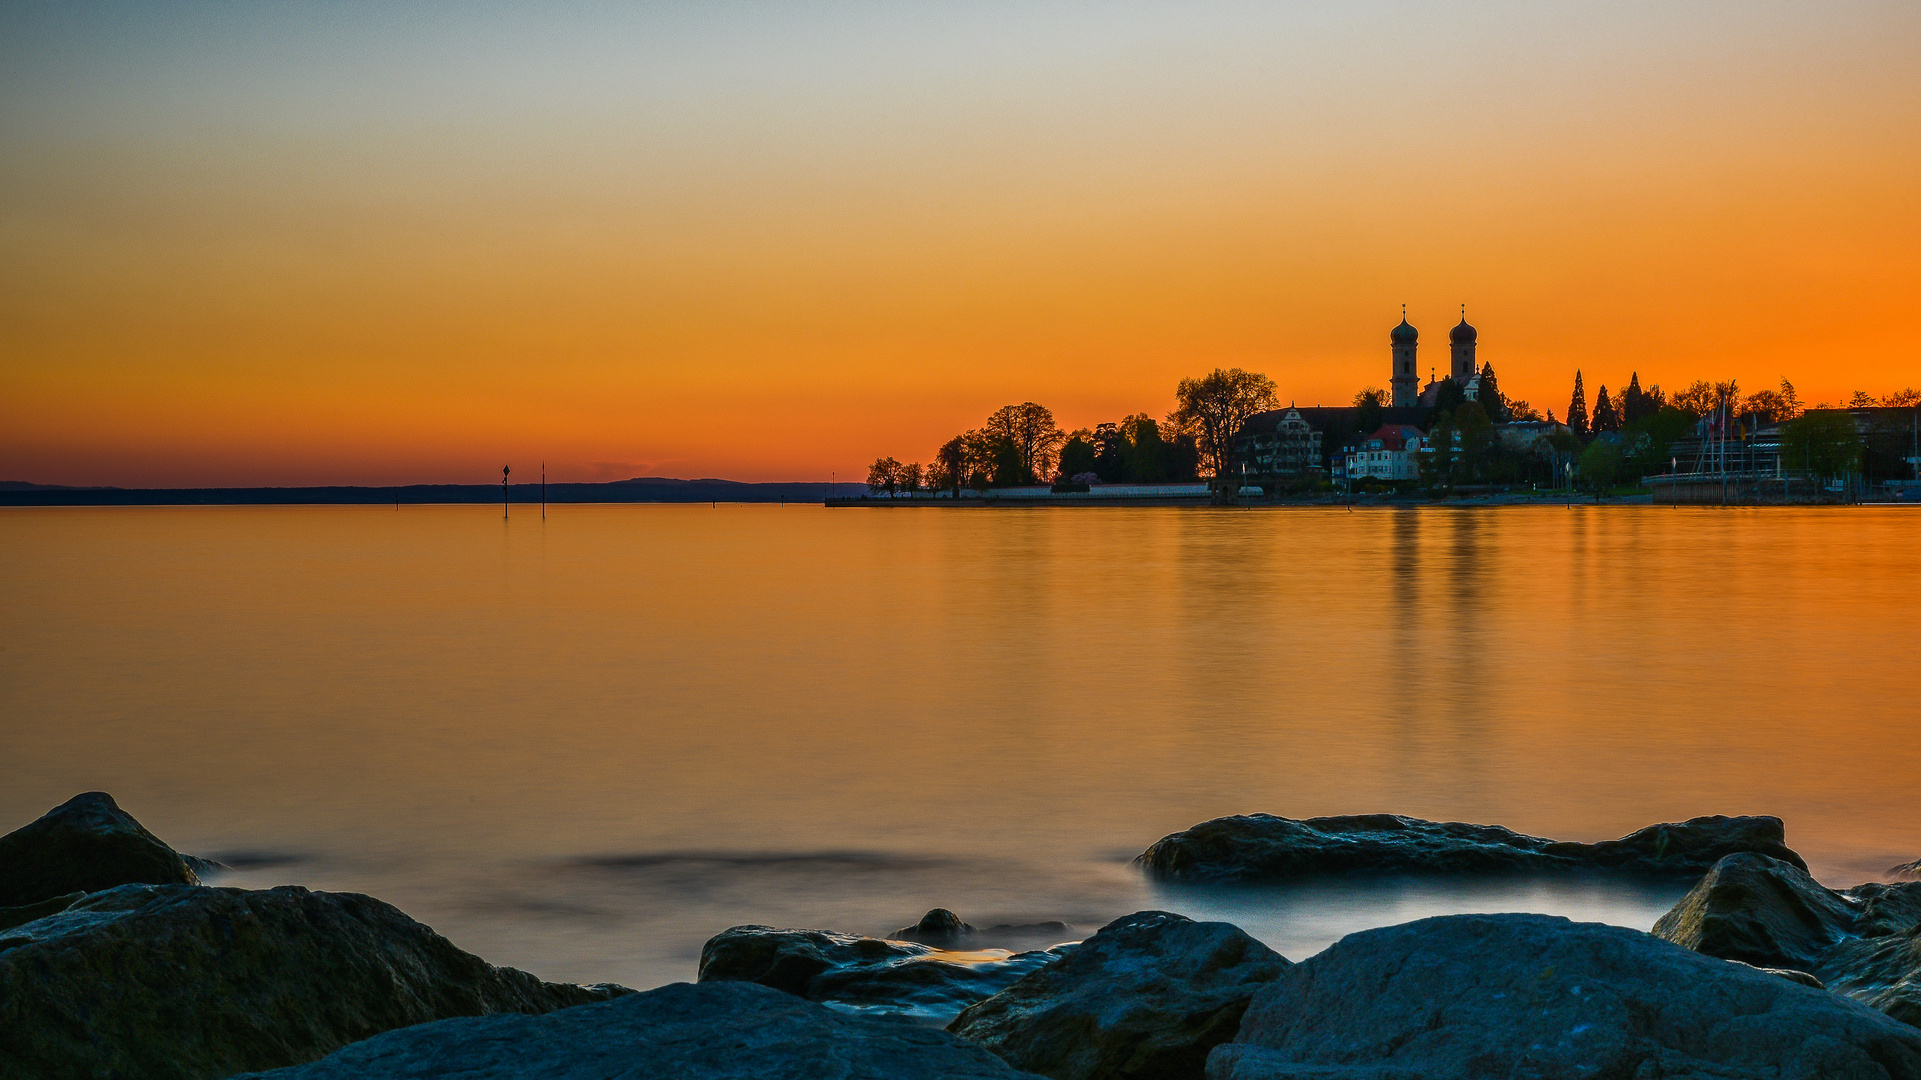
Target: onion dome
1462	334
1404	334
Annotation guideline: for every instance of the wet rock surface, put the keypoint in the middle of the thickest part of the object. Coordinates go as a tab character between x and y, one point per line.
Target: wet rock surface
1147	996
84	845
1262	848
872	974
1863	942
1759	911
187	981
1539	996
709	1031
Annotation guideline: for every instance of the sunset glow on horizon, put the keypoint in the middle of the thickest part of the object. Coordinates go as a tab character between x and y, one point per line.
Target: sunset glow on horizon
353	243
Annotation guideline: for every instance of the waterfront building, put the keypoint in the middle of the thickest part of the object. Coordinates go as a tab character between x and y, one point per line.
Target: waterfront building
1286	445
1392	453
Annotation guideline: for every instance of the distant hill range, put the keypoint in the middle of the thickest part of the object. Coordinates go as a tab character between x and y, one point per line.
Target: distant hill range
653	489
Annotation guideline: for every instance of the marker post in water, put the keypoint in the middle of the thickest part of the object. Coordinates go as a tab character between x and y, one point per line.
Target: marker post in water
503	491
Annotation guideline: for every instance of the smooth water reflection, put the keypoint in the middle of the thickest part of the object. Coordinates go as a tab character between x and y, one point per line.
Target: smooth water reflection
583	745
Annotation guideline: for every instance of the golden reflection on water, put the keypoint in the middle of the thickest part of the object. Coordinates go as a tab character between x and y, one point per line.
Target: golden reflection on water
987	711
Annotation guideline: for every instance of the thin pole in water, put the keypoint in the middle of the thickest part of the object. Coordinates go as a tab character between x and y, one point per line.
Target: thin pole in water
503	492
543	491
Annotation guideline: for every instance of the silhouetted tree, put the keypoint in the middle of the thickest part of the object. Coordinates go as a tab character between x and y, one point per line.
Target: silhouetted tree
1369	406
1635	405
1448	396
1478	444
1493	402
1577	409
1213	407
883	475
1077	456
1605	419
1029	430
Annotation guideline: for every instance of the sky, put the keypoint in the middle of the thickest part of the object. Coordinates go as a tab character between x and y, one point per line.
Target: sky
385	243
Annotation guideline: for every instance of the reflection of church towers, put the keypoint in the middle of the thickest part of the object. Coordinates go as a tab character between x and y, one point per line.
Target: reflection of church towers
1406	383
1461	344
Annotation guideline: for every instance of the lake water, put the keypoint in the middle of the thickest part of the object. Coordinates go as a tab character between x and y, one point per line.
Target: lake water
583	745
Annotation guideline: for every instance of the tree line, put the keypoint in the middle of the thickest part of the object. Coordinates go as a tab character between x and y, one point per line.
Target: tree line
1022	444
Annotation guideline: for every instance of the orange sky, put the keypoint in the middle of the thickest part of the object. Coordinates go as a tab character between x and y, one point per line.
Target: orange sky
362	244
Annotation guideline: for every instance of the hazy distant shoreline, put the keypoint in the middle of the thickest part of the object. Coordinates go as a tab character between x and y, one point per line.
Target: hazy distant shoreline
643	489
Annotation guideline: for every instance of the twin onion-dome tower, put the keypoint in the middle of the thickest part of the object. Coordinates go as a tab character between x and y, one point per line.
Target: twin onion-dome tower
1406	379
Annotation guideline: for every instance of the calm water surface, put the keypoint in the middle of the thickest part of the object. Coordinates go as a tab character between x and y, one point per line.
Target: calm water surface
582	746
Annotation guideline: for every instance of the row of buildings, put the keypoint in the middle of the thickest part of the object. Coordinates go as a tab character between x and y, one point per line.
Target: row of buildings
1304	441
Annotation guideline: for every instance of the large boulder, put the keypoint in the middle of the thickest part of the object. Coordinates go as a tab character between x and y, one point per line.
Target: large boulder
874	974
710	1031
1759	911
186	982
84	845
1539	996
1147	996
1254	848
1861	942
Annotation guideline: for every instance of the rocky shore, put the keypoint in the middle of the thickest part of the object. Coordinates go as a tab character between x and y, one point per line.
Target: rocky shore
116	962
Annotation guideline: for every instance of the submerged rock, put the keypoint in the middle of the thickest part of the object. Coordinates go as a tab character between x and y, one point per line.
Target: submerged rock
1263	848
1759	911
710	1031
84	845
1147	996
186	982
940	928
869	973
943	929
1539	996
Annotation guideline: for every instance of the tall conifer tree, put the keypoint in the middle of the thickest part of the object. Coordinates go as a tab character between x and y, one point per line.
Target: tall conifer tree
1577	408
1604	415
1634	401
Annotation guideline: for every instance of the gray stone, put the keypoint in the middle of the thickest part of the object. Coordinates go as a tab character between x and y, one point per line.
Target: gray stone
1264	848
1860	942
1883	972
876	974
1537	996
1759	911
186	982
1148	996
84	845
710	1031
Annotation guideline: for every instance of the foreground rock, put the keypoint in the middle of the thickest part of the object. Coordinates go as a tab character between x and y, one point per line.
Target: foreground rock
84	845
1148	996
713	1031
1263	848
184	981
1539	996
875	974
1864	942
